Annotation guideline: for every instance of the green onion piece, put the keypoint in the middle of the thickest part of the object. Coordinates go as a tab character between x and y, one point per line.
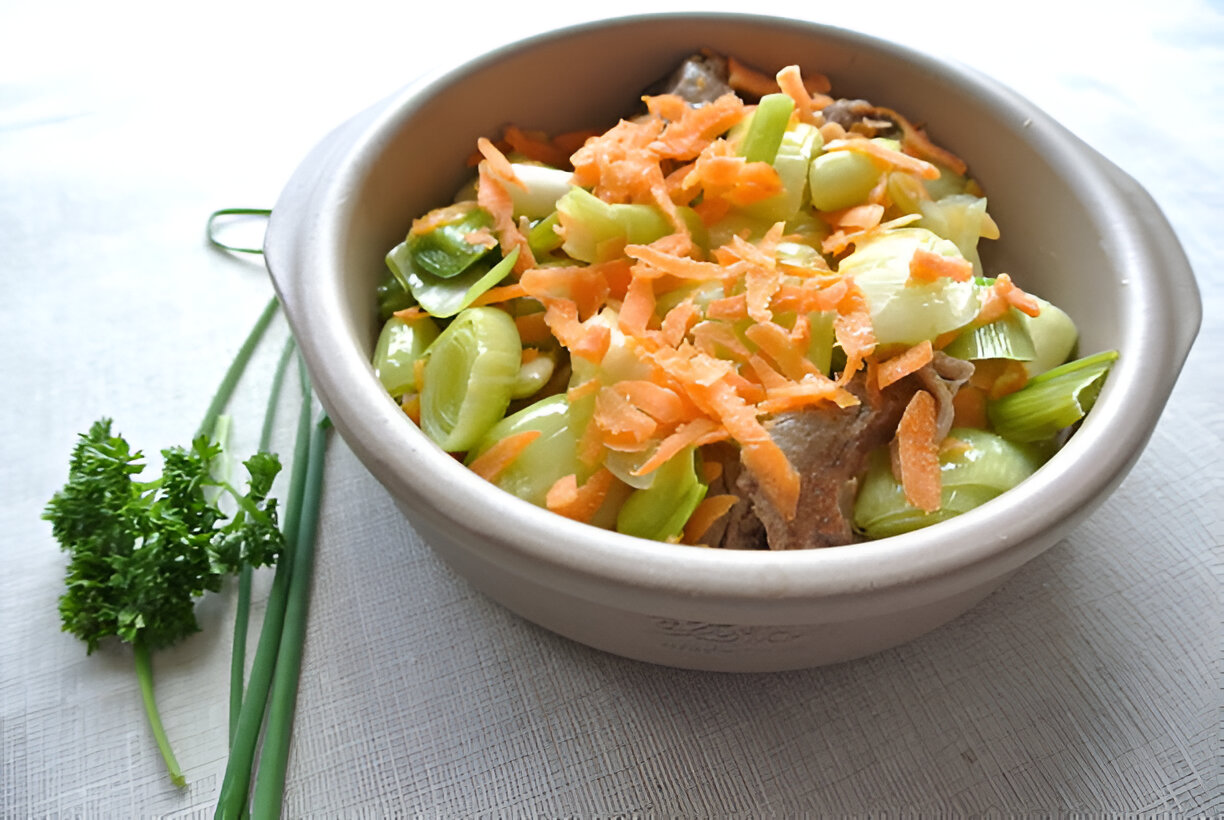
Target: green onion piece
242	614
235	785
211	229
840	179
445	251
661	511
392	296
1051	401
470	371
230	381
274	756
444	298
1054	337
543	237
551	456
542	187
532	376
986	466
596	231
400	343
766	127
1005	338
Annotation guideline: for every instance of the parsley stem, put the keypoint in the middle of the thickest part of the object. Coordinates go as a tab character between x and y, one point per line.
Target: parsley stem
144	674
230	381
242	615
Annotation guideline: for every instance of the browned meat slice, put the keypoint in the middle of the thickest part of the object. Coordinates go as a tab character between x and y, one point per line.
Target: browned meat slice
701	78
829	448
862	117
942	378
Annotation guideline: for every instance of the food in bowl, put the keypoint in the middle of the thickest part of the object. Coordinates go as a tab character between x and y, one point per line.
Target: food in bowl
749	316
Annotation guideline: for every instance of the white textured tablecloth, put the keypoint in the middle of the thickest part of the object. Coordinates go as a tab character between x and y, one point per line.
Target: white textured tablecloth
1089	684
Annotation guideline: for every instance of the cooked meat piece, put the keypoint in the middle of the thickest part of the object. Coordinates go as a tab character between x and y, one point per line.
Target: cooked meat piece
942	378
862	117
828	446
739	529
701	78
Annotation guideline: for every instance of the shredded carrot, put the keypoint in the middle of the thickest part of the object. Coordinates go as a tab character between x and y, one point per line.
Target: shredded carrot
708	511
580	503
747	79
624	426
490	464
491	194
661	403
535	146
500	294
775	342
499	166
696	433
411	405
638	307
409	313
532	328
584	285
418	373
915	141
697	127
969	407
918	453
678	321
927	266
903	364
440	216
890	157
790	82
854	333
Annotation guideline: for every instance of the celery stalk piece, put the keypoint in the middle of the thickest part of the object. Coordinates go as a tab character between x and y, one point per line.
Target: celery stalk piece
399	346
470	371
983	468
661	511
444	298
445	250
791	160
766	128
1051	401
1005	338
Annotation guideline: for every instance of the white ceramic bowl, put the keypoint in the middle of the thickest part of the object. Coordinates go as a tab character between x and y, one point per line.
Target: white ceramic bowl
1075	229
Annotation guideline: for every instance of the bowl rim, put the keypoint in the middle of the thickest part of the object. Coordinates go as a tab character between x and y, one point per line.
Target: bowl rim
992	539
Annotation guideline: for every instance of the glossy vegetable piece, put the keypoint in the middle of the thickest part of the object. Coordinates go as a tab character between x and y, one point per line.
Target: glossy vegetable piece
596	231
1051	401
986	466
840	179
444	298
660	511
1053	334
470	372
400	344
542	187
444	251
393	296
905	312
791	160
550	457
766	127
1005	338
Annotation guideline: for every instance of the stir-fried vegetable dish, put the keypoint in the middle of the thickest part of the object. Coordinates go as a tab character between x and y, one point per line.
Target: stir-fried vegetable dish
751	315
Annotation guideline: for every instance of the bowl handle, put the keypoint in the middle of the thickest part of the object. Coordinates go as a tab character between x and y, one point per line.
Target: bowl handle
1177	280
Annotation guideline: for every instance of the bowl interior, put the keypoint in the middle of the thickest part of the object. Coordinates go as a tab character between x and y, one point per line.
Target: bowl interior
1063	231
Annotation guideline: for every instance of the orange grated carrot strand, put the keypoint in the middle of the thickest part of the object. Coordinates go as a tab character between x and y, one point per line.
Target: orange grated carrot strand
490	464
918	453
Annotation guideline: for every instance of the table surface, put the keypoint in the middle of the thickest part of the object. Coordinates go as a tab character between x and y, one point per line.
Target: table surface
1089	683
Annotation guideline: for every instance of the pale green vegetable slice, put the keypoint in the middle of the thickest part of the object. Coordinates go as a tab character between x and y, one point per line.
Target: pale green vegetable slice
400	344
840	179
550	457
766	127
441	297
791	161
542	187
1051	401
470	371
661	511
1054	337
986	466
905	312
